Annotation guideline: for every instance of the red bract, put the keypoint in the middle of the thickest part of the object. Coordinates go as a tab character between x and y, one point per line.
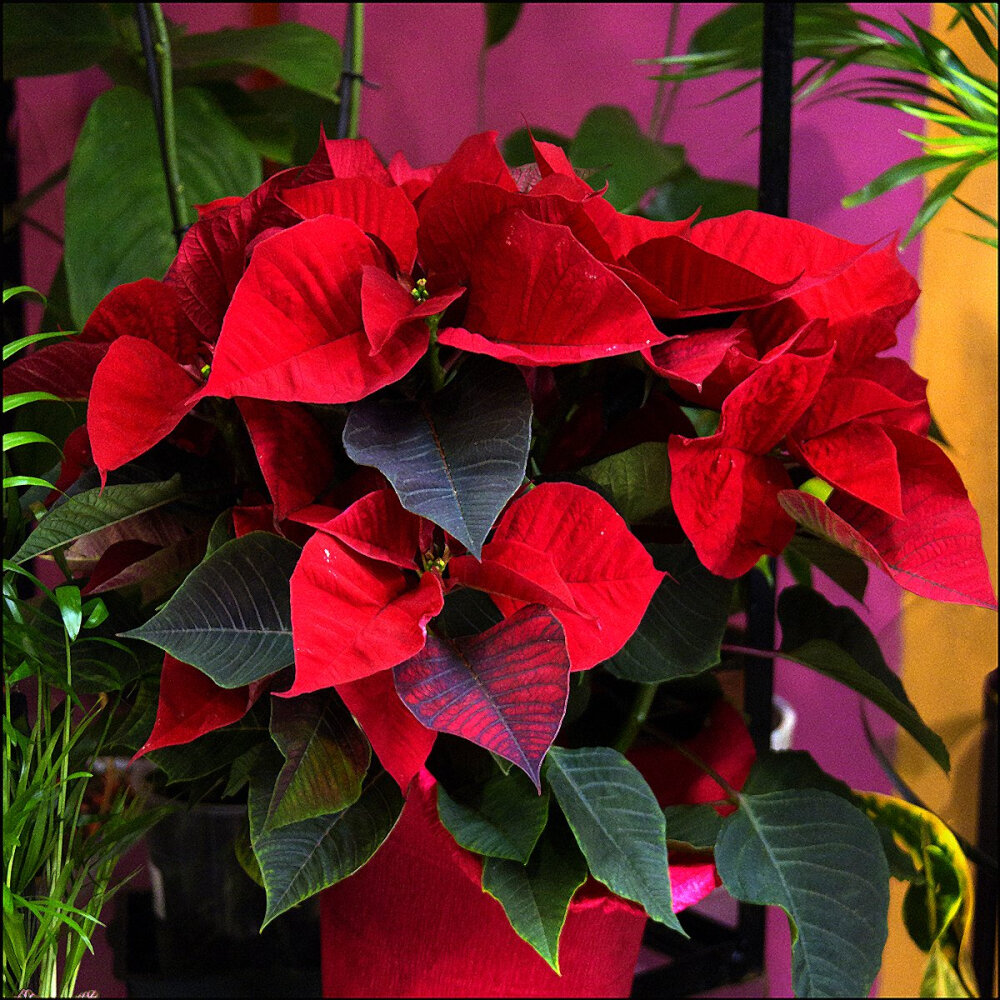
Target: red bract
361	604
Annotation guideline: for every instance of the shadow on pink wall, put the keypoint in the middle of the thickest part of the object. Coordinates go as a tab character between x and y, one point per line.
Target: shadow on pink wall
560	61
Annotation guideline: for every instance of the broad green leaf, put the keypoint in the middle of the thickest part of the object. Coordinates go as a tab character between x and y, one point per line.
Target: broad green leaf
298	860
456	459
500	21
536	896
93	510
610	141
637	480
836	642
326	758
43	39
116	165
617	823
301	56
283	110
70	609
779	770
819	859
845	568
694	827
231	618
517	149
500	818
688	193
938	905
220	532
681	632
271	137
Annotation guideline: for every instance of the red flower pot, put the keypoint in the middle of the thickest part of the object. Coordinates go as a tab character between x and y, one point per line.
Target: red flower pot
414	921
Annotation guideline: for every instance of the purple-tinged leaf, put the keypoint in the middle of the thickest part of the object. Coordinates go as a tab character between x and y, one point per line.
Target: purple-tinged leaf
504	689
456	459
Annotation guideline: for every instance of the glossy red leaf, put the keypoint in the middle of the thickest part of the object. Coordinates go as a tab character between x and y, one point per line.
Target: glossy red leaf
935	550
65	369
760	411
896	376
353	616
376	209
148	309
504	689
354	158
693	357
378	527
191	705
537	297
386	306
607	571
293	451
138	397
727	503
294	329
858	458
413	180
499	573
401	743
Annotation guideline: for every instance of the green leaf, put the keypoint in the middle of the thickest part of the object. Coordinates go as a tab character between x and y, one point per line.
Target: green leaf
693	827
688	193
517	149
779	770
326	758
455	459
501	817
301	56
610	141
847	570
9	293
70	609
231	618
271	137
637	480
299	860
116	165
617	823
19	399
92	510
283	110
821	861
836	642
500	21
42	39
682	629
536	896
9	350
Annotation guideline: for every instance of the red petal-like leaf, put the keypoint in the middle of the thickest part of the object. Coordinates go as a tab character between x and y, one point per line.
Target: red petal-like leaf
537	297
353	616
293	450
386	306
138	397
895	375
413	180
693	357
377	526
935	550
500	573
607	571
400	742
858	458
355	158
294	331
504	689
760	411
156	573
148	309
65	369
191	705
376	209
727	503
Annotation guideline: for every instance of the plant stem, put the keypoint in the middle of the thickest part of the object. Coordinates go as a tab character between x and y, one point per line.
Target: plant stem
641	705
666	96
161	87
768	654
732	795
434	357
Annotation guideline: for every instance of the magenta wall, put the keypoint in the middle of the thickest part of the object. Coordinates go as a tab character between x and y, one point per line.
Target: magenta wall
561	60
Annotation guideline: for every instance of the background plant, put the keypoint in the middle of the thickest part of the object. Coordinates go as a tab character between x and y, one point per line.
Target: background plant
936	86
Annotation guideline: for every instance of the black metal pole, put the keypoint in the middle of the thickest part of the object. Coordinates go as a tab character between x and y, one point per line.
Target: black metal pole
777	59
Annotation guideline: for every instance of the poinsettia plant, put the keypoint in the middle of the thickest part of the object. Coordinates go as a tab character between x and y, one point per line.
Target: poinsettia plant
459	469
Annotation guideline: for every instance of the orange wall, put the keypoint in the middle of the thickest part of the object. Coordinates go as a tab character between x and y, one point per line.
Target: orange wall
947	649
